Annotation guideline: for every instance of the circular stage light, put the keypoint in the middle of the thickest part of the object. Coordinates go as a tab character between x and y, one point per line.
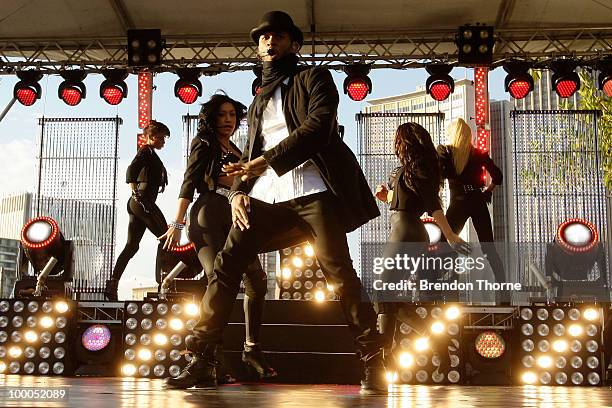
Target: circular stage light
15	352
421	344
319	296
61	307
96	337
357	89
490	345
529	377
575	330
39	232
577	235
437	327
308	250
406	360
31	336
590	314
192	309
452	313
545	361
560	346
128	370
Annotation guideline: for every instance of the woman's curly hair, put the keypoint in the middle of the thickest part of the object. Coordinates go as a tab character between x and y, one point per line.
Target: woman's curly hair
415	150
210	110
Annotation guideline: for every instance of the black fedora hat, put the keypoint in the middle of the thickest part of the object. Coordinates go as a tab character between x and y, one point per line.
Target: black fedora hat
277	21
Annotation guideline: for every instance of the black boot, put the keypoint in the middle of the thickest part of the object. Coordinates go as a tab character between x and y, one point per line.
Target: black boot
253	356
375	381
386	328
201	371
110	290
223	375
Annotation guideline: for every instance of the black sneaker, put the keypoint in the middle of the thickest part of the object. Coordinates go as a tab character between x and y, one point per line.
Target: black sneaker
254	357
199	373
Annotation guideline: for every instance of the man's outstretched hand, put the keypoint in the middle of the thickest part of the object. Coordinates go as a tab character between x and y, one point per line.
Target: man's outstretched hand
248	170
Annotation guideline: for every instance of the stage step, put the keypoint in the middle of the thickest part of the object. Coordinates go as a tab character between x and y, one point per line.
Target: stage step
306	342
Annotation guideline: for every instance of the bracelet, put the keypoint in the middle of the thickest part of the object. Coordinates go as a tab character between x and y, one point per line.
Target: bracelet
233	194
176	225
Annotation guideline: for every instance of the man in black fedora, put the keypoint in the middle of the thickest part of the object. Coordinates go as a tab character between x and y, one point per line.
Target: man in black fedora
296	175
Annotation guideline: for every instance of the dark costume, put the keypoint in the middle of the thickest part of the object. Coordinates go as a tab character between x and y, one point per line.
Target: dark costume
148	171
309	102
210	221
468	200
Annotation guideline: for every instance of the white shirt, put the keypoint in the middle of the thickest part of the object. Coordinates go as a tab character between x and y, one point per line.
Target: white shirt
302	180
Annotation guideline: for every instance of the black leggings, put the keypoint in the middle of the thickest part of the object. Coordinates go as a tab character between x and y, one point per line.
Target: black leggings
406	227
140	220
474	206
210	221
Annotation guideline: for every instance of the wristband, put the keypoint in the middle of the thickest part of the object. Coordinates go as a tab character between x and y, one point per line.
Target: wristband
233	194
177	225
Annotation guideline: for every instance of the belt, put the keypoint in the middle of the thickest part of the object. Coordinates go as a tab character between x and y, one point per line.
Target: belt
223	191
467	188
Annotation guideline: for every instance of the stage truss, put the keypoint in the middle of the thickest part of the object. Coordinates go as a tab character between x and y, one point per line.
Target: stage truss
393	49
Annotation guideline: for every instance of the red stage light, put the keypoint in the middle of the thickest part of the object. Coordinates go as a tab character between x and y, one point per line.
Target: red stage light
566	88
27	90
71	96
565	80
439	84
26	96
188	87
440	90
114	89
357	90
519	89
112	95
187	93
72	89
357	85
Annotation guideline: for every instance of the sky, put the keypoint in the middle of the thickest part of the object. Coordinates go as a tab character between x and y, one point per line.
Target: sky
19	131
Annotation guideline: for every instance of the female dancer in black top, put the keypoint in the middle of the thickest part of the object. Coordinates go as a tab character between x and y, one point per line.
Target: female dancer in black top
414	190
463	166
210	218
147	177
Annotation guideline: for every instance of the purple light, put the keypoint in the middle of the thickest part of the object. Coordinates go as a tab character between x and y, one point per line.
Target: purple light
96	337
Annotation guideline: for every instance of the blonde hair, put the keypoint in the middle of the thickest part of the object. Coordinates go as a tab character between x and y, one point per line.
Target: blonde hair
460	136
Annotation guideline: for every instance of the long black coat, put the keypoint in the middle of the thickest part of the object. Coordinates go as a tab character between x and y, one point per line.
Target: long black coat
310	104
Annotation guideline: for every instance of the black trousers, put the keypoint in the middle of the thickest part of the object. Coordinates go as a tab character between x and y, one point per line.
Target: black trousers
406	227
140	220
314	215
210	221
474	206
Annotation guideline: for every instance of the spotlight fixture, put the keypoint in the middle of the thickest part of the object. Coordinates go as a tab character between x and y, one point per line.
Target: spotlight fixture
44	247
72	89
439	84
357	83
114	89
518	82
565	80
188	87
256	85
27	90
144	47
475	43
605	76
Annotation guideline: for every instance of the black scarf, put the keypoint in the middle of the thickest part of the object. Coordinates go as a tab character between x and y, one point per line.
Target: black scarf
272	75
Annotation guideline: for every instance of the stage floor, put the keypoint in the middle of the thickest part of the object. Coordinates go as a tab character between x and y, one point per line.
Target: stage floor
119	392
